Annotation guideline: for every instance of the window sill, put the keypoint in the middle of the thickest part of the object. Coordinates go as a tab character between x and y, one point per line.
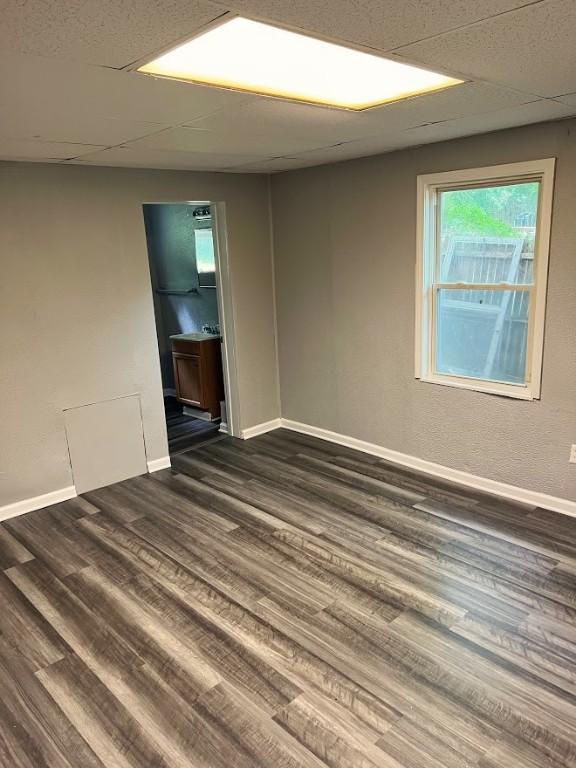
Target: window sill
515	391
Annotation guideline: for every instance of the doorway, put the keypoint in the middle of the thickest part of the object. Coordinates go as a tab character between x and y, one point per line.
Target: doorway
187	254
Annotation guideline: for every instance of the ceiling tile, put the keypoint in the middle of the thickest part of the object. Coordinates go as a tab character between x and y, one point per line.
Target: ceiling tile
378	144
331	154
229	141
536	112
531	49
52	109
567	98
144	157
20	149
382	24
470	98
274	117
37	89
107	32
260	120
373	145
75	128
272	165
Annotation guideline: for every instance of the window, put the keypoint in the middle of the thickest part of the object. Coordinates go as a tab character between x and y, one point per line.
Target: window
481	277
205	258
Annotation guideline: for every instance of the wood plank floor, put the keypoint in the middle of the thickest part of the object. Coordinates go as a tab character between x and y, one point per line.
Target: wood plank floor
185	432
285	602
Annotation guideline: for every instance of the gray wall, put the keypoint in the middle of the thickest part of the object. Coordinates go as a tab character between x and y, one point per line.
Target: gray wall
172	257
76	311
345	250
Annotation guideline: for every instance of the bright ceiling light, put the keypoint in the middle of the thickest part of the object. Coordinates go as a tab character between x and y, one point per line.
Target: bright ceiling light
247	55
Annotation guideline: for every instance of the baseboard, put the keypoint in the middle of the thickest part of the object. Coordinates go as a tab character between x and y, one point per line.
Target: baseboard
37	502
196	413
260	429
157	464
62	494
223	428
512	492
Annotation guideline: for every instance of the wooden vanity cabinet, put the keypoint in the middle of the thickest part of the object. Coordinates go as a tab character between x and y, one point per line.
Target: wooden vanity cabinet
198	373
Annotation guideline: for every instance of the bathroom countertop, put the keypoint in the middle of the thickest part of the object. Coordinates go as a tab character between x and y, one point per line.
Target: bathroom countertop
195	336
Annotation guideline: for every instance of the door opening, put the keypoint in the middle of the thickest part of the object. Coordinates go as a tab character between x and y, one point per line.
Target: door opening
192	306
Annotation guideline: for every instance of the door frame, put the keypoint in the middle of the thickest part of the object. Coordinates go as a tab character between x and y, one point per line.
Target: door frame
225	306
226	317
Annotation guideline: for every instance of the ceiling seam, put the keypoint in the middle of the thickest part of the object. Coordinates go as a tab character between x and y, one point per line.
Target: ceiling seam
464	26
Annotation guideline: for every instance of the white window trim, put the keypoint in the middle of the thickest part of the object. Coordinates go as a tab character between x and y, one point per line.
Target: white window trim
428	186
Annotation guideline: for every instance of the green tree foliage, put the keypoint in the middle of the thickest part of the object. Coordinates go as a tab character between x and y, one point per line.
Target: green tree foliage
467	217
488	211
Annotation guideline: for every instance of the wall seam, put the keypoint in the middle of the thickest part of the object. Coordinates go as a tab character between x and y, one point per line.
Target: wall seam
274	301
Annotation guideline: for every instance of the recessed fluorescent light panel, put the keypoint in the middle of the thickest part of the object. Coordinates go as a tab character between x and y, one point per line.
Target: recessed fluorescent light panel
247	55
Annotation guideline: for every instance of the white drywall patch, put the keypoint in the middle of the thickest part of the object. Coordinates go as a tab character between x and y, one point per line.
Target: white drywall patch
106	442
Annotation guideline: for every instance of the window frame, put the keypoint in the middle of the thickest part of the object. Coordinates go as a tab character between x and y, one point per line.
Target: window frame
428	188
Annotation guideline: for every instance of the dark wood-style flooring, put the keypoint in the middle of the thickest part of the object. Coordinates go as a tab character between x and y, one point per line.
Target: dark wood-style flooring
186	432
286	602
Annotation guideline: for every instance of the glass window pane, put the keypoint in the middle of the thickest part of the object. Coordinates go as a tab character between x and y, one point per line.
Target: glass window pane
487	234
204	250
482	334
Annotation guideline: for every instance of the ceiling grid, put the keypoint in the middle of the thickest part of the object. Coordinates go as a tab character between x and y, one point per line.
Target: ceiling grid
66	95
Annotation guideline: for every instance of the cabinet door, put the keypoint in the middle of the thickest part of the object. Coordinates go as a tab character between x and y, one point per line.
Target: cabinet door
188	378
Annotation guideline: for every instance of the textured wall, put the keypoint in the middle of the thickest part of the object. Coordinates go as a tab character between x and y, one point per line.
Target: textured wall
172	256
345	251
76	310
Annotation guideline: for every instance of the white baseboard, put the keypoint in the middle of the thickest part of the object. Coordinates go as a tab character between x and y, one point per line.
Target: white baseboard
196	413
62	494
157	464
37	502
223	428
512	492
260	429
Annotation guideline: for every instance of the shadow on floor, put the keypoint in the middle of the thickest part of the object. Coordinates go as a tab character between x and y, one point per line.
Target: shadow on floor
187	432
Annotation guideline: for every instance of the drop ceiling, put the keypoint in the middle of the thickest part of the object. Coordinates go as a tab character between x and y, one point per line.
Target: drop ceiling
67	94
